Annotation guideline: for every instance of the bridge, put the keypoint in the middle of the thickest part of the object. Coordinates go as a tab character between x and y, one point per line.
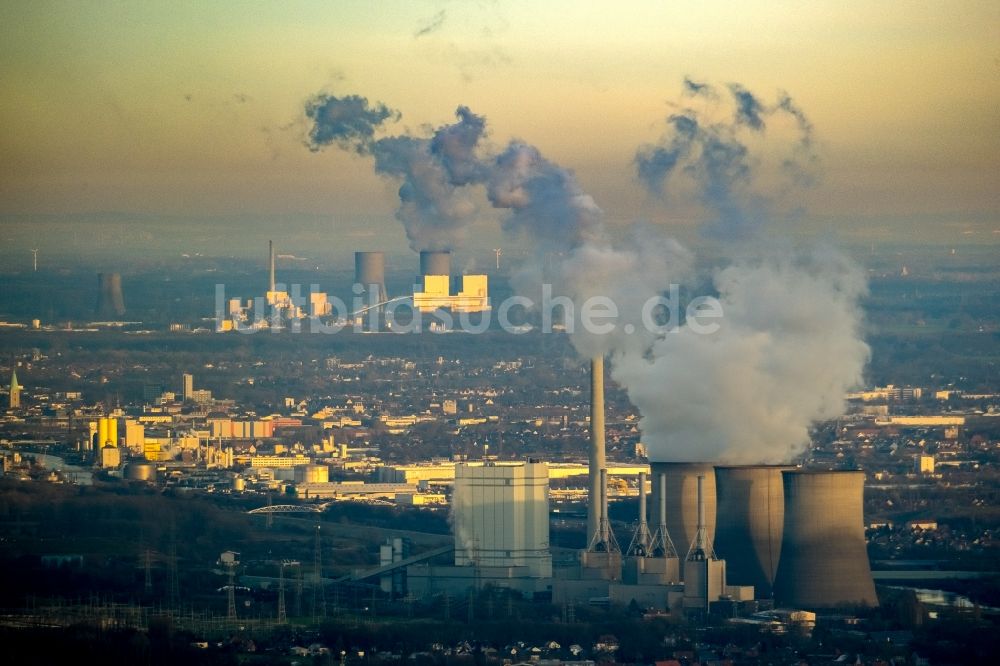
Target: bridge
288	508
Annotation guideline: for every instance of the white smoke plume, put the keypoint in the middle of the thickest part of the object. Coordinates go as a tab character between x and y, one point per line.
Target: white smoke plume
786	350
788	345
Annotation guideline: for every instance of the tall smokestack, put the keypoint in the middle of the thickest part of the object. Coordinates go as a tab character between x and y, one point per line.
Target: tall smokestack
642	542
681	494
605	525
110	301
369	270
597	458
435	262
824	561
270	252
700	538
642	500
750	524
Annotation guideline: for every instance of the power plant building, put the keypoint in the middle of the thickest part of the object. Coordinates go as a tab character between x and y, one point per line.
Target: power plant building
501	515
435	293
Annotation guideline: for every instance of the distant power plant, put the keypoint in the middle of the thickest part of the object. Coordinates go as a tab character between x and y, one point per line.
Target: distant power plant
110	301
436	289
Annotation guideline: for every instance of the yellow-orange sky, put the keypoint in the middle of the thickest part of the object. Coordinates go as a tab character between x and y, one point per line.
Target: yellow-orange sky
195	108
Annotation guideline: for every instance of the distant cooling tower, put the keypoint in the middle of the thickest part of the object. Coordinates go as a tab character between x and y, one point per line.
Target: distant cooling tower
110	302
682	500
824	562
435	262
750	501
369	269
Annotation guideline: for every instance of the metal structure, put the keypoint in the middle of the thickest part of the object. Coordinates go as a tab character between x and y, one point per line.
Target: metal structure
750	522
110	301
681	492
704	573
318	589
642	539
661	545
597	460
824	560
435	262
603	540
288	508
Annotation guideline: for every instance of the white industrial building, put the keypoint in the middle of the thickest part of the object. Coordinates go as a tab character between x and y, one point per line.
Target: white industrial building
501	515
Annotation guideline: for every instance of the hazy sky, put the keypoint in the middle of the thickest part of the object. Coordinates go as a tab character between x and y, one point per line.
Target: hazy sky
194	109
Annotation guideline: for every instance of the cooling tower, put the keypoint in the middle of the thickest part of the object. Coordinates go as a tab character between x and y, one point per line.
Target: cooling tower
750	503
824	562
682	501
597	457
369	269
435	262
110	302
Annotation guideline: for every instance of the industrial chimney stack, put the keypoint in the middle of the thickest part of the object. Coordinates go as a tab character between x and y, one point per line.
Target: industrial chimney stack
597	455
270	253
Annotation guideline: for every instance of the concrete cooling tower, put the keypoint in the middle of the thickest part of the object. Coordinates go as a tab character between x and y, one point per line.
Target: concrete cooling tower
110	302
435	262
369	269
824	562
750	504
682	500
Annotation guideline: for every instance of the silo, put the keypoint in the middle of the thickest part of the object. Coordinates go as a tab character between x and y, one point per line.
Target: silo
824	562
110	302
750	502
435	262
682	500
369	269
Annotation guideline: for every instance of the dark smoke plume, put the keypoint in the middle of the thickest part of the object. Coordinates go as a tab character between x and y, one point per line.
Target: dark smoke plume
347	121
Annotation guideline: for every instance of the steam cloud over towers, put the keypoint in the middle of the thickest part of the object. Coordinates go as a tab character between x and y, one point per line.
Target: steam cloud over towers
788	345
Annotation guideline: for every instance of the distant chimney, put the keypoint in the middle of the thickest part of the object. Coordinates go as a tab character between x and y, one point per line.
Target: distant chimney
270	252
597	455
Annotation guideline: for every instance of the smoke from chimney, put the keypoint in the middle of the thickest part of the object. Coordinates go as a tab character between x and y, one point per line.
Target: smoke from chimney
788	345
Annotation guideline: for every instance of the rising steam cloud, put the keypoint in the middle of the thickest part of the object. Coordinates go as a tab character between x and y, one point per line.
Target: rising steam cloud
434	209
715	155
788	346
